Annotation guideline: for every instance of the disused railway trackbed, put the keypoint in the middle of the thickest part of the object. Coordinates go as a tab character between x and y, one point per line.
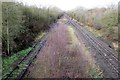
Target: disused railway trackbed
109	62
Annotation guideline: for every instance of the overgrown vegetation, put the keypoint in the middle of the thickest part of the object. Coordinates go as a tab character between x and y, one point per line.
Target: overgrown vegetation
102	20
10	62
95	72
22	23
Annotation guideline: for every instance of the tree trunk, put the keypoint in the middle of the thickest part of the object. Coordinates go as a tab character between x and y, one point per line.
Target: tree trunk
8	42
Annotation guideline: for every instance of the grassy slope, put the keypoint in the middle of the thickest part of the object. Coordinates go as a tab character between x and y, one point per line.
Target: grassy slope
8	61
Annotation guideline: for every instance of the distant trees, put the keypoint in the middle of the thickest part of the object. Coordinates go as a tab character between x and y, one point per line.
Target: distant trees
103	19
22	23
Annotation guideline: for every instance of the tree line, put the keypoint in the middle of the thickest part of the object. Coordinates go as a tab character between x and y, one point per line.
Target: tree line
22	23
104	20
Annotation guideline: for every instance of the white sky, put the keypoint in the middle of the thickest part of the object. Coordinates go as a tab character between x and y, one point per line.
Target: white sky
71	4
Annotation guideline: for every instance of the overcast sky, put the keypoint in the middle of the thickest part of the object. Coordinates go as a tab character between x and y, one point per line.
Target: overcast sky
71	4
